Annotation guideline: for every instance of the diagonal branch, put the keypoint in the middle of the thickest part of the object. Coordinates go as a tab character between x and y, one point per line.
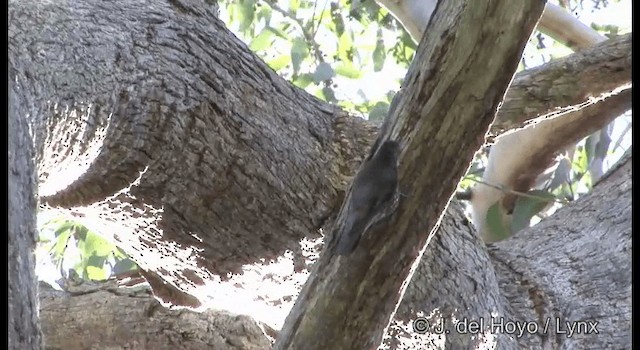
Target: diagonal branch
450	98
560	85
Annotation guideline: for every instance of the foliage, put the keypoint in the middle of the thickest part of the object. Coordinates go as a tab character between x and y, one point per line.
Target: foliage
71	246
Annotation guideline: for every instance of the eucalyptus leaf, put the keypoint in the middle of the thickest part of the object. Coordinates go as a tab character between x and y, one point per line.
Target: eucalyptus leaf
379	53
495	222
348	70
299	51
262	41
379	111
526	207
323	72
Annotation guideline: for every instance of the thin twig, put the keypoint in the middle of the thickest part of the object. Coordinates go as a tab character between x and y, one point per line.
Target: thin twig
521	194
309	37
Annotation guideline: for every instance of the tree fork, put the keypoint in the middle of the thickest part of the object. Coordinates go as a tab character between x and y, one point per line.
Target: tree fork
452	90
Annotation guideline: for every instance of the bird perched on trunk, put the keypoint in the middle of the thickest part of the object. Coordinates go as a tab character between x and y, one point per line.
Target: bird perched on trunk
373	189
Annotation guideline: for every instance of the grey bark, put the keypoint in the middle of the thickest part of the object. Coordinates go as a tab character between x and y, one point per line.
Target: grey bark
104	316
23	324
578	81
573	268
449	99
572	272
238	165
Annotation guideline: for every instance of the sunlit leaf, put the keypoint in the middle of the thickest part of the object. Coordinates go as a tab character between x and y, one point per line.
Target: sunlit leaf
303	80
347	69
345	47
294	5
60	245
95	245
95	269
262	41
279	62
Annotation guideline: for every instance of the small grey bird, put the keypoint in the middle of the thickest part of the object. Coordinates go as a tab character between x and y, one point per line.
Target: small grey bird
373	188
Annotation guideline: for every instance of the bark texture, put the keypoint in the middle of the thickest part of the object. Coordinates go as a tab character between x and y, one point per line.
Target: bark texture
23	325
107	317
576	82
572	269
160	128
154	121
449	99
545	272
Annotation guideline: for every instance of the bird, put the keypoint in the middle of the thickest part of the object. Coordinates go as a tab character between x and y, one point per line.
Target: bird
374	187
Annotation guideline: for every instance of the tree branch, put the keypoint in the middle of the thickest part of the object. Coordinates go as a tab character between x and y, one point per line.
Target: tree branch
348	301
557	87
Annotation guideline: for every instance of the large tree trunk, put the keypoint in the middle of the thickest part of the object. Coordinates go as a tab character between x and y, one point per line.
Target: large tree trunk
24	327
157	125
526	287
449	99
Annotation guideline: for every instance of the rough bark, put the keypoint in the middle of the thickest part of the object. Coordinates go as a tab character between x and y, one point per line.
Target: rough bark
168	83
563	267
161	128
517	158
23	324
449	99
572	267
576	82
104	316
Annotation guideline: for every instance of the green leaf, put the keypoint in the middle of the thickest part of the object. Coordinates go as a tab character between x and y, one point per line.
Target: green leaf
299	50
279	62
323	72
96	260
347	69
580	164
303	80
345	48
278	32
262	41
328	94
95	245
265	13
379	111
379	53
60	245
64	227
526	207
96	274
338	21
294	5
124	265
495	224
247	14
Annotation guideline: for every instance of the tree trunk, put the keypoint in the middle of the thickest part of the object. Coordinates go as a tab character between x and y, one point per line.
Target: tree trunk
450	97
24	327
526	277
156	126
